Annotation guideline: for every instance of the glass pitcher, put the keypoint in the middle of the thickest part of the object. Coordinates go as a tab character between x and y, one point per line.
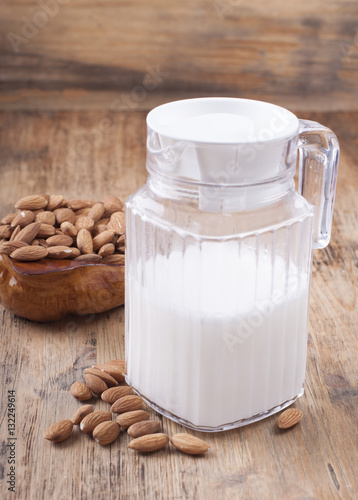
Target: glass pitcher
218	259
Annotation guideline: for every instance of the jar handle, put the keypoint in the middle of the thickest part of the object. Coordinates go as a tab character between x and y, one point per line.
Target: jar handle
318	149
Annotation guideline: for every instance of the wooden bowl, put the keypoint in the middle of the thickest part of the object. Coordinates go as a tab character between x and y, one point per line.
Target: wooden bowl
48	290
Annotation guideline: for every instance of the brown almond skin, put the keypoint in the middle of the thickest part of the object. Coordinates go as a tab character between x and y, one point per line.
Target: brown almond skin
102	239
7	247
46	217
289	418
28	233
96	212
23	218
65	214
80	391
29	253
115	371
110	381
69	229
81	413
9	218
33	202
107	249
149	442
189	444
84	222
59	240
129	418
127	403
114	393
62	252
143	428
59	431
106	432
46	230
96	384
84	241
89	257
90	422
55	202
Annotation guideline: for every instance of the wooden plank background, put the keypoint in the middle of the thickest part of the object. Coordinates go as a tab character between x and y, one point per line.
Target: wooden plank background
315	460
86	54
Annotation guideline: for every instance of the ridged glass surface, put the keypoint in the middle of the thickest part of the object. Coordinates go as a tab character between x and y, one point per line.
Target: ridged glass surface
216	327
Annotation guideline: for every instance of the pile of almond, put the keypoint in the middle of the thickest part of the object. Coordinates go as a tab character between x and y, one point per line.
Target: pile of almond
102	380
48	226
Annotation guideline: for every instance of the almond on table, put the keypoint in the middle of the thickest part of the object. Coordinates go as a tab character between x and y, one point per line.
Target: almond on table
149	442
289	418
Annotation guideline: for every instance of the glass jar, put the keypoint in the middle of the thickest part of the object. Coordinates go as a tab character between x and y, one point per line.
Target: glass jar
218	259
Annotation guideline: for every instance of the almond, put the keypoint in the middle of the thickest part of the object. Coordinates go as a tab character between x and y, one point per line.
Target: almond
149	442
65	214
143	428
7	247
60	431
117	223
289	418
189	444
106	432
74	253
115	259
96	384
6	231
43	242
78	204
102	239
9	218
84	241
90	422
82	211
111	395
59	240
35	242
46	217
80	391
15	233
127	403
33	202
112	204
110	381
121	240
69	229
98	229
84	223
62	252
56	201
81	413
46	230
29	253
90	257
114	371
121	250
28	233
129	418
107	249
23	218
96	212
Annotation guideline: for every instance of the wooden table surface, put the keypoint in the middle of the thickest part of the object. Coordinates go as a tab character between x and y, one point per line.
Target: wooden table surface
70	153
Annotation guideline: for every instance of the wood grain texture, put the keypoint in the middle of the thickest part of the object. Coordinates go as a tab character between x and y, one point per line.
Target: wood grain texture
61	152
295	54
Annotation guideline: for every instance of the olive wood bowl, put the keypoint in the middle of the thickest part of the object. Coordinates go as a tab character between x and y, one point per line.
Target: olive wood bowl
49	289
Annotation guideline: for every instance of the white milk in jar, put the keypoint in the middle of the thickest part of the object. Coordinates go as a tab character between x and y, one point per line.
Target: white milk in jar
223	357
